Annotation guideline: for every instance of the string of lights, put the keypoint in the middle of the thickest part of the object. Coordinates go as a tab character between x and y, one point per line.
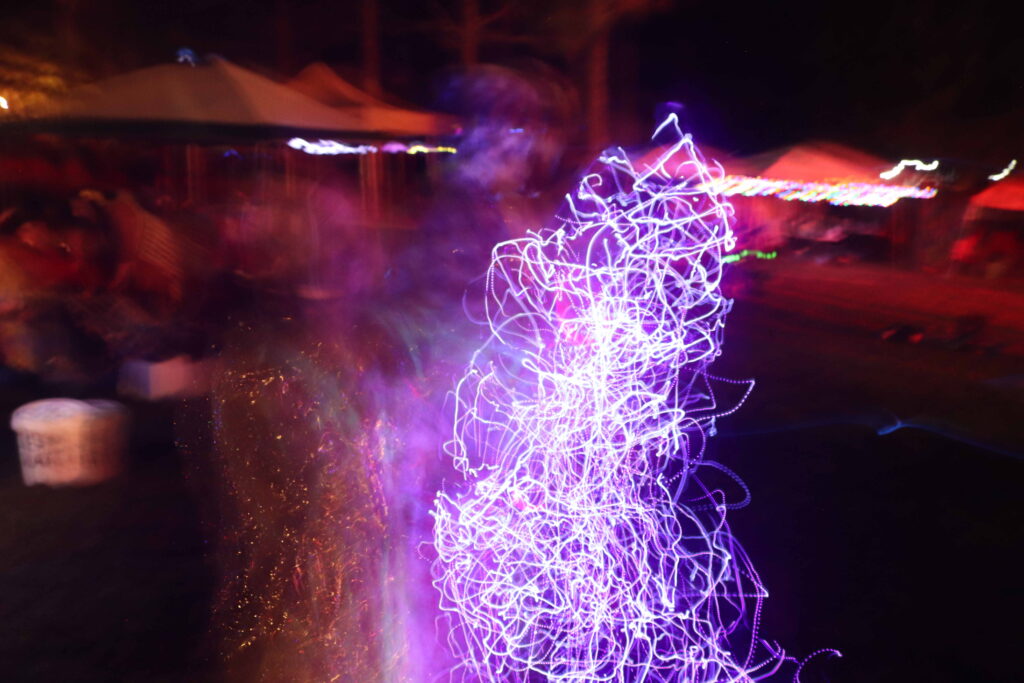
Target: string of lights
750	253
583	543
838	194
334	147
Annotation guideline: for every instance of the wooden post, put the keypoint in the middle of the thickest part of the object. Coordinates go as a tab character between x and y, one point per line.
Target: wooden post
370	187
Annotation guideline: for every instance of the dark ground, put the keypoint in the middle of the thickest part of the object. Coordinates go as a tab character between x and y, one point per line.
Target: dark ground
900	550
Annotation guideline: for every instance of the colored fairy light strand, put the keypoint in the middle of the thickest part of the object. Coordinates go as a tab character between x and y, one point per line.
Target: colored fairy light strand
916	164
333	147
1005	172
426	149
583	543
838	194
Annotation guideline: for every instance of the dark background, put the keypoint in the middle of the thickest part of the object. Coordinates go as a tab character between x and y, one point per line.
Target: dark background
903	79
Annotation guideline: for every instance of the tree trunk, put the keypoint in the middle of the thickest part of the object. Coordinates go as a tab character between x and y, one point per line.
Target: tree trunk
597	73
283	36
371	48
67	29
469	48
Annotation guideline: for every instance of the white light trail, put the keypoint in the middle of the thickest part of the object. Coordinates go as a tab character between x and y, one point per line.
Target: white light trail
917	164
1005	172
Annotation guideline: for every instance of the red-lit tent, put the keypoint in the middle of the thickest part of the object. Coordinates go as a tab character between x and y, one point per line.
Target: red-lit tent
319	82
805	162
766	222
1004	195
815	161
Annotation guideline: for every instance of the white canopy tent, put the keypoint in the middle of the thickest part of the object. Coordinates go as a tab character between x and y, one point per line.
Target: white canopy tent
216	101
214	94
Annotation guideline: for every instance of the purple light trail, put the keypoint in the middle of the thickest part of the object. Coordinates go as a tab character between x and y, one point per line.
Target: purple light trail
583	545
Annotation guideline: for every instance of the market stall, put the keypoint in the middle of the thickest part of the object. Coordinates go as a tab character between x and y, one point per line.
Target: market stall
992	237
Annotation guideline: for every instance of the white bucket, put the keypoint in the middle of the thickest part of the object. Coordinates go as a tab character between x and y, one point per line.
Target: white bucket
63	441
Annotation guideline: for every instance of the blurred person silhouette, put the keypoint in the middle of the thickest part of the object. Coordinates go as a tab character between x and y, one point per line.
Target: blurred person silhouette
1002	248
160	295
342	248
289	447
150	258
414	335
964	254
44	267
326	411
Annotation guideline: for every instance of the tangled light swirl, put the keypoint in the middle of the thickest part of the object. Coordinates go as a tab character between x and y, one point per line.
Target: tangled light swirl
583	545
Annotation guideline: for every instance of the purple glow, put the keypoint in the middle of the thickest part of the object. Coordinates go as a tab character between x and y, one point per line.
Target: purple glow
394	147
583	545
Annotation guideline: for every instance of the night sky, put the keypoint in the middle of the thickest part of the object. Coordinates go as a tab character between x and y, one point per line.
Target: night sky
900	78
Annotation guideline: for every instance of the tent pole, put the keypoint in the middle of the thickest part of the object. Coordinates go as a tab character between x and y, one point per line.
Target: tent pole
289	172
369	184
194	173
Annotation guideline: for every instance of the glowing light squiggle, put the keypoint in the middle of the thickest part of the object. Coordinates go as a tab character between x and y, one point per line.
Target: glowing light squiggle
839	194
917	164
1005	172
583	545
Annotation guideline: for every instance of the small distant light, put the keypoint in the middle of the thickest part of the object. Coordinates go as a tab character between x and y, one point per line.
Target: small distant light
187	56
515	130
3	103
998	176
